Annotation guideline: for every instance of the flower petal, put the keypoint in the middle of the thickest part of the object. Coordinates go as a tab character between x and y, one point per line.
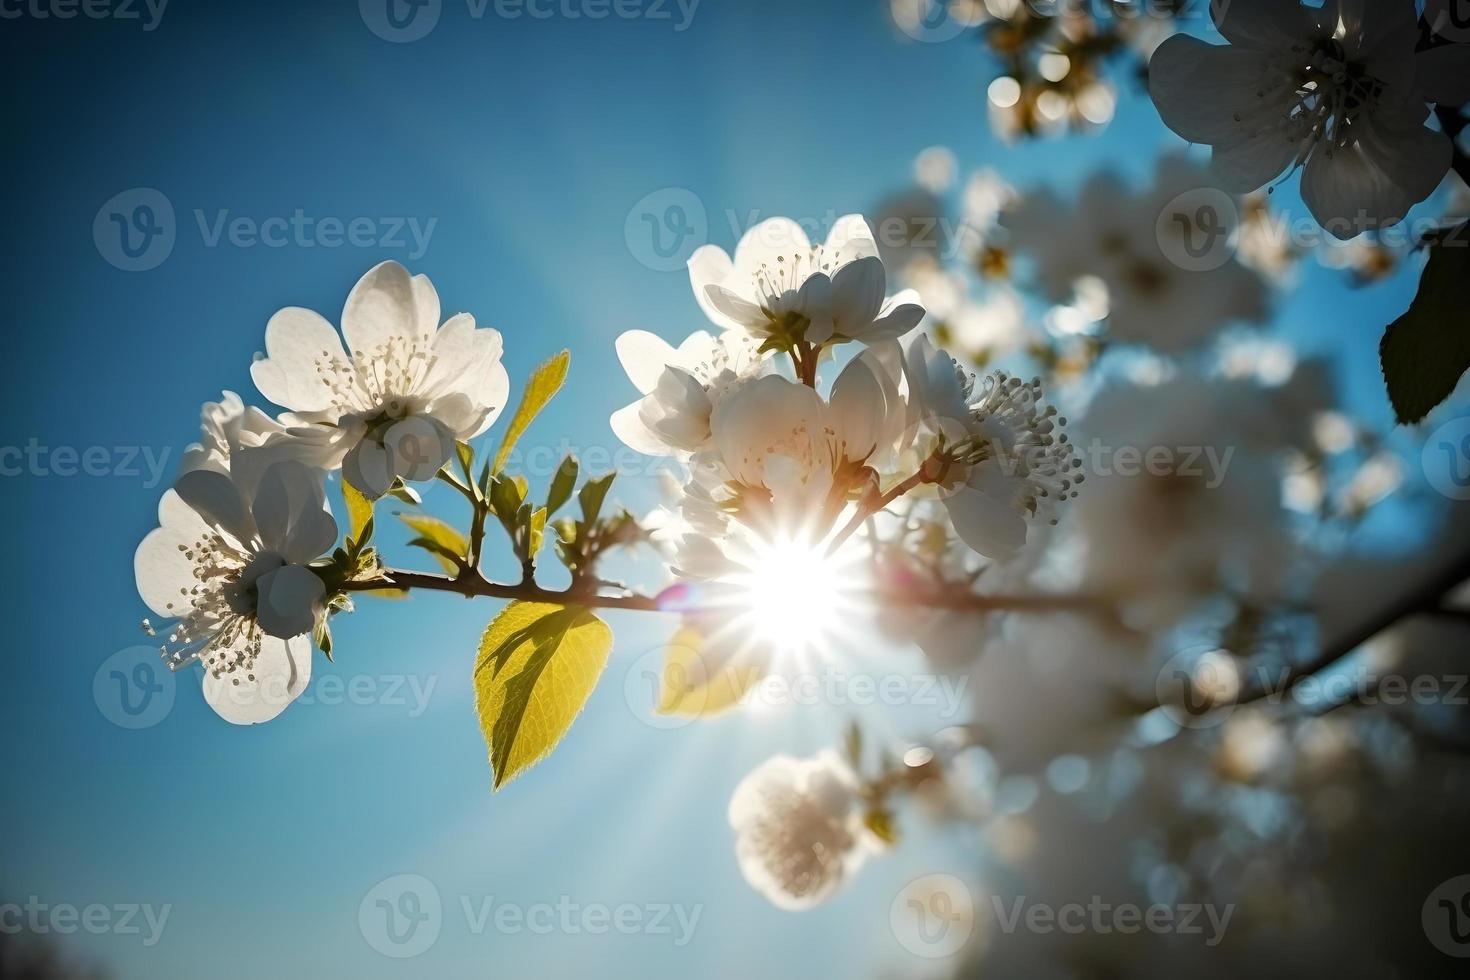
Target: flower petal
850	239
986	524
1270	24
644	356
288	599
741	311
216	498
857	296
628	426
366	467
250	696
296	342
1200	89
386	304
1443	74
710	265
290	513
1376	181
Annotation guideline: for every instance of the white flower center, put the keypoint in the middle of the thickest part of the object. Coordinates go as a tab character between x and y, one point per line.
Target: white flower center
216	615
1025	441
1323	92
382	379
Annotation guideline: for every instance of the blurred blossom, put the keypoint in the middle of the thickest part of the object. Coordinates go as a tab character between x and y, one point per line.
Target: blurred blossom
1267	360
1187	473
935	168
1378	476
1123	238
1365	258
1333	432
990	328
1263	243
798	832
1253	744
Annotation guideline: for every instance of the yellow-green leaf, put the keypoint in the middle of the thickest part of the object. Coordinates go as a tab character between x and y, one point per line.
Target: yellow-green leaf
544	382
695	684
537	665
359	509
438	539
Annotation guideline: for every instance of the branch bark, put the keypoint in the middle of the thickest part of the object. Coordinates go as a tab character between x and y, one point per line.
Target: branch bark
473	586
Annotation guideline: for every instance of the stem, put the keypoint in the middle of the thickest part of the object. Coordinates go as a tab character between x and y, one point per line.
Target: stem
867	509
478	586
475	585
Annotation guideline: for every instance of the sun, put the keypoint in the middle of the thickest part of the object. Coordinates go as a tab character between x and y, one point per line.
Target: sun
792	594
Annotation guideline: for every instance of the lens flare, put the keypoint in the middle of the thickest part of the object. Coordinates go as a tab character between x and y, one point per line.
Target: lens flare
791	594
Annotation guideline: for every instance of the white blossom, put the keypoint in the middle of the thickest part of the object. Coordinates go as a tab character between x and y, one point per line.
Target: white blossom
784	290
1111	237
1007	463
410	387
782	460
680	387
228	565
798	831
1336	90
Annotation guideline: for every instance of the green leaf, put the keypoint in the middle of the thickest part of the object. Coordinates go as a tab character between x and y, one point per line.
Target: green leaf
694	685
465	453
537	665
322	634
1425	351
562	484
881	823
439	539
544	383
405	493
506	497
592	494
537	527
359	510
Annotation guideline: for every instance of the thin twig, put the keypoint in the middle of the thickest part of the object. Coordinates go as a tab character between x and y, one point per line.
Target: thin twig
475	586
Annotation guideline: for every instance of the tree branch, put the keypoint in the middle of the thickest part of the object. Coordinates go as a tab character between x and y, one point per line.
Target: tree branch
471	586
1426	598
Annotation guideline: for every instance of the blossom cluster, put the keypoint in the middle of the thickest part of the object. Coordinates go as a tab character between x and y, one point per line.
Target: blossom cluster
234	566
771	460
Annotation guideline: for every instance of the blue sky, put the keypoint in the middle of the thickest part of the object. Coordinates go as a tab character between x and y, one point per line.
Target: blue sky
527	143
